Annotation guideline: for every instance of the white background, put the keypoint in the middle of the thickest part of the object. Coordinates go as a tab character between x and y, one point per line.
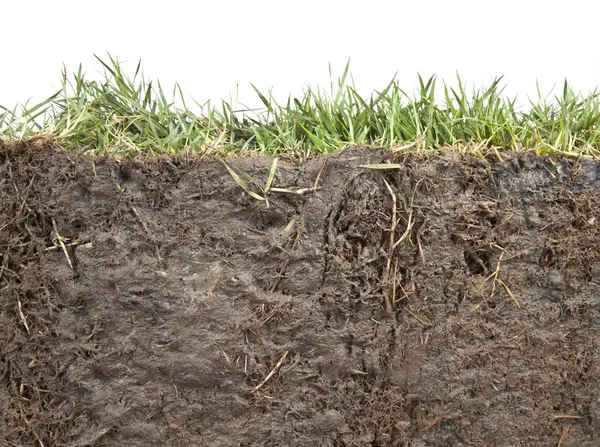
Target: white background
213	47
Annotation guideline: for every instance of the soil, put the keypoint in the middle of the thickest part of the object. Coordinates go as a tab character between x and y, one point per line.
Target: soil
153	302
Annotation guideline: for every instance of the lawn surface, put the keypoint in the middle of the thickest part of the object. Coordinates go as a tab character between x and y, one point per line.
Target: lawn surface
128	115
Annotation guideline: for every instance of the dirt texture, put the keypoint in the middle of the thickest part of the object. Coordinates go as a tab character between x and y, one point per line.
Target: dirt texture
453	301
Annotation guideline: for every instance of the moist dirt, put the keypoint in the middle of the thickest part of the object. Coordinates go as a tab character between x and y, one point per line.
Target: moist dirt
453	301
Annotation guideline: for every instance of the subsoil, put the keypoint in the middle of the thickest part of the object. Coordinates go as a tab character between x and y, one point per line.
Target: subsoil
154	302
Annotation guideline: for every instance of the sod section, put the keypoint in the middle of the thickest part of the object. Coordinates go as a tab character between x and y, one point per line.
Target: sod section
156	302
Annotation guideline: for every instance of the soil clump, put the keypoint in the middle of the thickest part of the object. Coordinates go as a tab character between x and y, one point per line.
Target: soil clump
453	301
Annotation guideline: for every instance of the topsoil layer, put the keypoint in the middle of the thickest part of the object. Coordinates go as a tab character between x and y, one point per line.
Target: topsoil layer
155	303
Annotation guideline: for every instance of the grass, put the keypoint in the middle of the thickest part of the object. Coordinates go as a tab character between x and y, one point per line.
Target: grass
128	115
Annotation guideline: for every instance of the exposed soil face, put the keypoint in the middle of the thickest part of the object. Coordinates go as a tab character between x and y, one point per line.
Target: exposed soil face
154	303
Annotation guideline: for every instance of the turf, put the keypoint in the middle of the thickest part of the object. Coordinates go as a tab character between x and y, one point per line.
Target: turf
125	114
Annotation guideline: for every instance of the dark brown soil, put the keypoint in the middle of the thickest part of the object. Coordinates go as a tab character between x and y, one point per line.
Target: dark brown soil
183	312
